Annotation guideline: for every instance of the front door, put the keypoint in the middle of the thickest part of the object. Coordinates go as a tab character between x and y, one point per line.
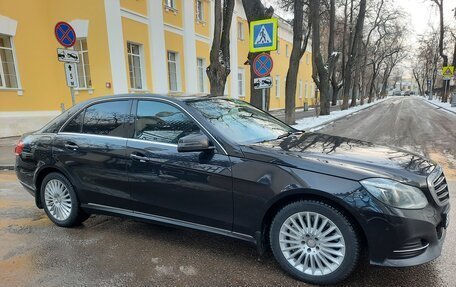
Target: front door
188	186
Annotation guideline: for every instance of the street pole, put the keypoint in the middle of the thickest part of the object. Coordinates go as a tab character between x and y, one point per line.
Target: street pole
263	96
445	89
73	100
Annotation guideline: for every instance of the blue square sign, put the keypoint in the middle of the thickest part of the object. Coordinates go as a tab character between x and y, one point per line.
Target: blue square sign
263	36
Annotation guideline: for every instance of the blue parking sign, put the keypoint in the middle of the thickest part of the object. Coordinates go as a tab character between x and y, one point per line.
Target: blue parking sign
263	36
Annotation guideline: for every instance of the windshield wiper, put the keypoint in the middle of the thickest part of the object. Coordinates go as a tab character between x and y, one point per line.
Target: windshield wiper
289	134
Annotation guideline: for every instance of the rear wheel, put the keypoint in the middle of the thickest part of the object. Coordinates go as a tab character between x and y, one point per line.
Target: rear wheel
314	242
60	201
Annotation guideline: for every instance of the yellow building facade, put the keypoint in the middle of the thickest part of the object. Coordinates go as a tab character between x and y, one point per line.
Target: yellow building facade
125	46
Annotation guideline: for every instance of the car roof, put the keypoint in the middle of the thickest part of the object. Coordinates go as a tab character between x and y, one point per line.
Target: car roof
172	97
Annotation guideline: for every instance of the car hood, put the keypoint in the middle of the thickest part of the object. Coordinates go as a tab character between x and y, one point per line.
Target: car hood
343	157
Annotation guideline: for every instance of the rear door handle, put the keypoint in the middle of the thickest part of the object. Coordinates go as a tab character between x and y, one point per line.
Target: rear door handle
139	158
72	146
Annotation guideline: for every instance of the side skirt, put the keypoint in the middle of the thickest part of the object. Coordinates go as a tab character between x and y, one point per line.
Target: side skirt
98	208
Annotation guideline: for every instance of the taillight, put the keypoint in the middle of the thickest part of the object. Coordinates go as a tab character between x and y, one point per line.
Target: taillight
19	147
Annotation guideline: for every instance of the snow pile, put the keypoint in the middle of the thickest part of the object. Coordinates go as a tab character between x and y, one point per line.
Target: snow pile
316	123
446	106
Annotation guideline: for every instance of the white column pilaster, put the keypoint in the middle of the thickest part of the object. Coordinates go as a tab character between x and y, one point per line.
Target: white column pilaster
116	46
234	56
157	47
191	81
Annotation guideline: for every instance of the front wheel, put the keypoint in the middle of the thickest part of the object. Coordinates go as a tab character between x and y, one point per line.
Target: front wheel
314	242
60	201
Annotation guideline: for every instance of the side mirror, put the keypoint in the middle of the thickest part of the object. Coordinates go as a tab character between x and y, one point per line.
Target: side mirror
196	142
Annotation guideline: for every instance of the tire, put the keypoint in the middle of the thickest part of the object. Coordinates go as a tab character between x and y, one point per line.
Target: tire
60	201
290	237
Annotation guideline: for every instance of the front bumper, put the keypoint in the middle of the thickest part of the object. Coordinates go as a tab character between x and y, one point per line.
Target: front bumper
400	238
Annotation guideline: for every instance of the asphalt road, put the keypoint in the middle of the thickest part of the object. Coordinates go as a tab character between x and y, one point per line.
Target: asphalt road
109	251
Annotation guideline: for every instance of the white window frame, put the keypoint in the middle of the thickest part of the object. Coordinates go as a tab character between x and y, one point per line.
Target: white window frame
277	86
171	4
240	30
201	68
306	92
241	82
81	62
141	62
2	73
177	63
199	12
300	89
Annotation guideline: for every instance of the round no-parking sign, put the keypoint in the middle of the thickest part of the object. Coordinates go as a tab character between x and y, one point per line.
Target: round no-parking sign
65	34
262	65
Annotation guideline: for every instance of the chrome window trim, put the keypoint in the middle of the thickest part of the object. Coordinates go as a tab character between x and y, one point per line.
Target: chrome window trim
140	98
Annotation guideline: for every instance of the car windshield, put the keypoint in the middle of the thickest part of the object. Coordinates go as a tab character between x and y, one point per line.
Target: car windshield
240	121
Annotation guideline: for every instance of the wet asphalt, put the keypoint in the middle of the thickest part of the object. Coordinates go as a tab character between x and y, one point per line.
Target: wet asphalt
108	251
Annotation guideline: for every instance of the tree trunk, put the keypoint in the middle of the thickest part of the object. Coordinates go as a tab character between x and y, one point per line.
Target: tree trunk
353	52
219	68
355	92
255	10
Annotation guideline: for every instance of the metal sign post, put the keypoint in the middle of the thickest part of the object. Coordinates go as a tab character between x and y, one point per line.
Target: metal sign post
66	36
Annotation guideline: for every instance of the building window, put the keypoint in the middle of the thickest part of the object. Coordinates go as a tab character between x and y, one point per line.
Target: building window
8	71
278	46
305	91
201	67
300	89
135	66
307	59
84	79
286	50
199	10
240	31
173	71
277	86
170	4
241	82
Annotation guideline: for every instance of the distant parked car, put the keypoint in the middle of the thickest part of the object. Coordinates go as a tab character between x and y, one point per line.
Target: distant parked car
407	93
397	93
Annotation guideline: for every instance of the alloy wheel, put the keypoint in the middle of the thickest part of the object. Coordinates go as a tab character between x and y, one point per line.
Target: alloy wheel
57	199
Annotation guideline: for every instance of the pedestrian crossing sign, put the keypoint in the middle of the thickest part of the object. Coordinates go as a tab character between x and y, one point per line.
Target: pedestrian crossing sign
263	35
448	72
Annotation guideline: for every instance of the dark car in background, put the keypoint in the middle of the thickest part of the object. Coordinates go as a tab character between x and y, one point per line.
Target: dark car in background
223	166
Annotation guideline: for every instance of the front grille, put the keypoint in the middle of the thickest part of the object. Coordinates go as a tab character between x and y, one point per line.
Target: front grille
438	186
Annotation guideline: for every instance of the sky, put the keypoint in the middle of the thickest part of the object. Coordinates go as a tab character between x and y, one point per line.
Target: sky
421	14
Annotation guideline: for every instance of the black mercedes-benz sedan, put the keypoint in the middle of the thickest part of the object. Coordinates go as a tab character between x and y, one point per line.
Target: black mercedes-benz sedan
223	166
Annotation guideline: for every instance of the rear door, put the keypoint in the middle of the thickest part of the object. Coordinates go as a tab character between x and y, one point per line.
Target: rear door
92	149
189	186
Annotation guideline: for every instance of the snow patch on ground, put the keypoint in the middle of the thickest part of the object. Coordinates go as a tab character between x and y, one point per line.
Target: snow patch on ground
316	123
446	106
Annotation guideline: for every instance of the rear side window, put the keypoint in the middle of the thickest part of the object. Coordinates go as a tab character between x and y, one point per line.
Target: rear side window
109	118
160	122
75	125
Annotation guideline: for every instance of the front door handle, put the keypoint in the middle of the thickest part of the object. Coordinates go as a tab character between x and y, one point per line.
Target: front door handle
72	146
139	158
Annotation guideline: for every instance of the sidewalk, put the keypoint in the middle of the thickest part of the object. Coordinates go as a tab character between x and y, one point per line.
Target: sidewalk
444	106
7	157
306	120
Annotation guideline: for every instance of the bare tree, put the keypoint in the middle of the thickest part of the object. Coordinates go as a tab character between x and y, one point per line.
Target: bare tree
219	68
255	10
301	36
444	57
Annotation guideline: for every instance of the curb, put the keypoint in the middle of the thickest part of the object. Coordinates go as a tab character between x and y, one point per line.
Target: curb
6	167
322	125
439	107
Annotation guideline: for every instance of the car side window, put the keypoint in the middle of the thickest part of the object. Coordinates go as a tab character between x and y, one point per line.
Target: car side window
108	118
75	125
161	122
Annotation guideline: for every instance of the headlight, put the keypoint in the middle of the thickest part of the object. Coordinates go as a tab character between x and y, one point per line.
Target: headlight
395	193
